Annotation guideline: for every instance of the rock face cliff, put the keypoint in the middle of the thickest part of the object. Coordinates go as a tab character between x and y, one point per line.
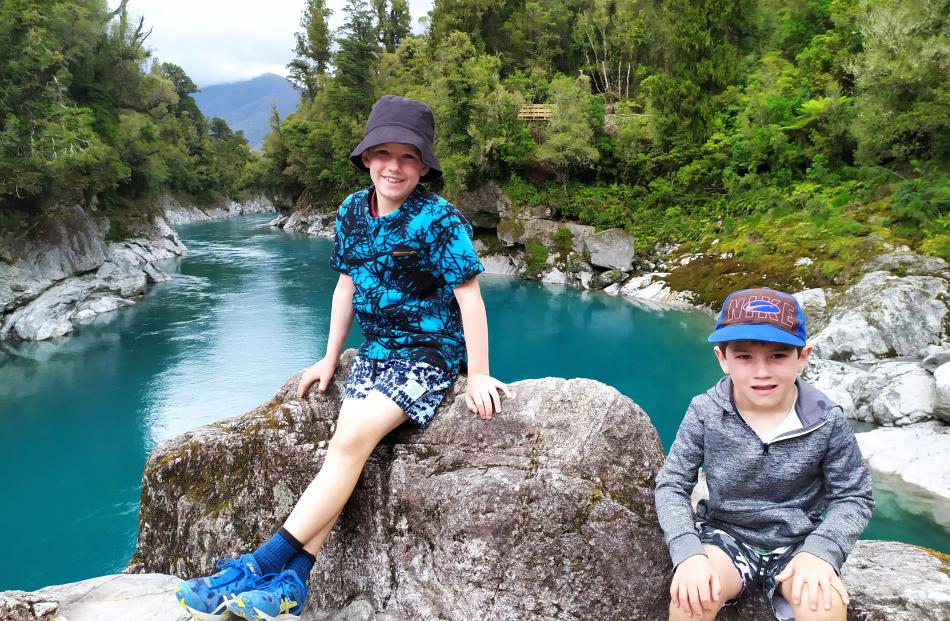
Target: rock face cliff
545	512
63	270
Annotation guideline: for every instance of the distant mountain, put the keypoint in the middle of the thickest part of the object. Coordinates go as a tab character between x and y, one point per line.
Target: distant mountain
247	105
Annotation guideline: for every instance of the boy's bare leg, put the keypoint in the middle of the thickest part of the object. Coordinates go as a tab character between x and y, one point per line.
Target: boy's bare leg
803	611
316	544
359	428
729	579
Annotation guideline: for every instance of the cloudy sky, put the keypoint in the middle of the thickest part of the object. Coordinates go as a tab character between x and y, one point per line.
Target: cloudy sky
218	41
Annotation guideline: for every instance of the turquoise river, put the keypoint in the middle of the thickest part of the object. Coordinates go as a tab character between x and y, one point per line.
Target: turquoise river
249	306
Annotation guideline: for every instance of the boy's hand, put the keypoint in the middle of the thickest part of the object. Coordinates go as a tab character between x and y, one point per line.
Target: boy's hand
320	372
808	569
481	395
695	584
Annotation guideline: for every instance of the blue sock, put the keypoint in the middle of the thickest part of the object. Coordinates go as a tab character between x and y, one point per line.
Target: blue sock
276	551
301	564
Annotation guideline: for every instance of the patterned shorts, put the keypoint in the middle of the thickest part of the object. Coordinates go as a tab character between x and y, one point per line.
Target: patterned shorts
757	567
417	387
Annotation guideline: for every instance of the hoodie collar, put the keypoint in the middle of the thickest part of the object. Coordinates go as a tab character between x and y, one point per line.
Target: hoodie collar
812	405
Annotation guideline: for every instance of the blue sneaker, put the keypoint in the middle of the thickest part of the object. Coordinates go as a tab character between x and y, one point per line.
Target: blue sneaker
276	597
206	598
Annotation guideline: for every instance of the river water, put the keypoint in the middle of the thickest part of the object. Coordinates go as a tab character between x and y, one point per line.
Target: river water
248	307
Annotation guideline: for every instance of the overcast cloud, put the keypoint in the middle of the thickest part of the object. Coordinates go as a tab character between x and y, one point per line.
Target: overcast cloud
219	41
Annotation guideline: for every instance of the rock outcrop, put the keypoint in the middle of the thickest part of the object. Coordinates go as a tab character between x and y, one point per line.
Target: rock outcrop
147	597
886	581
879	342
545	512
178	212
309	222
63	271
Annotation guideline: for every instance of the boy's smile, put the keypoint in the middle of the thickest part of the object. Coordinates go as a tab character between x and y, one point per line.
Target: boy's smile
395	169
763	374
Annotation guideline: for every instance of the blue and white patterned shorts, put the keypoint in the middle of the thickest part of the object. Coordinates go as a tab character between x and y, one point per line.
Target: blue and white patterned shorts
417	387
755	566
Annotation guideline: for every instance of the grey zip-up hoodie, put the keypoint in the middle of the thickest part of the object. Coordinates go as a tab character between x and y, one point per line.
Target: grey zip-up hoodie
810	483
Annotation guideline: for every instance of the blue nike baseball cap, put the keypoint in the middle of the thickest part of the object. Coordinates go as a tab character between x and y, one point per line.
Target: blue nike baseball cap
760	315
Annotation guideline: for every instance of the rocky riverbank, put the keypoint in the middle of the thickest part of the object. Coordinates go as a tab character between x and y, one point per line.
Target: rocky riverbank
544	513
64	270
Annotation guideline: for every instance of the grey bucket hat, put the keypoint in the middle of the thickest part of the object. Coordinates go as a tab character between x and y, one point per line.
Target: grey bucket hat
406	121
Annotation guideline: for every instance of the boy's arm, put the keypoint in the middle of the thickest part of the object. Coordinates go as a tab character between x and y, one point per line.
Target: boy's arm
481	391
850	500
341	318
675	483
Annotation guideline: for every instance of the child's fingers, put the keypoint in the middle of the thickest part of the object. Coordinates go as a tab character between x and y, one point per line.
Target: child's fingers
695	604
785	574
674	594
504	387
825	586
838	586
716	586
813	593
495	399
797	583
470	404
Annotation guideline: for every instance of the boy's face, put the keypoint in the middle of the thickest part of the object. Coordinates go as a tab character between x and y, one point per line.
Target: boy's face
763	374
395	169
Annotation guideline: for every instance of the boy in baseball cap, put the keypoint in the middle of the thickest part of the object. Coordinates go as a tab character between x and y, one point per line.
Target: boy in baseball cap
789	493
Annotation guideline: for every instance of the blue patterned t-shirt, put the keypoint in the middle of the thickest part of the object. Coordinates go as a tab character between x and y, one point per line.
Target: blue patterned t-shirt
404	266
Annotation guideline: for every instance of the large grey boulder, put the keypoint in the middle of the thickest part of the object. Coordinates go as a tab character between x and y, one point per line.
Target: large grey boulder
884	316
611	249
544	512
890	581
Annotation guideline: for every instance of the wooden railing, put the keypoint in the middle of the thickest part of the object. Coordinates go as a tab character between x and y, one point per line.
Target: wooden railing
536	112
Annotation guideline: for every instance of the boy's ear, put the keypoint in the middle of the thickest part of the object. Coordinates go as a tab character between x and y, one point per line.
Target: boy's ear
424	170
721	357
803	357
364	156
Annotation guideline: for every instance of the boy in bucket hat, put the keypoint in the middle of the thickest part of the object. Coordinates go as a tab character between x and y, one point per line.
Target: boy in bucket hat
407	272
789	493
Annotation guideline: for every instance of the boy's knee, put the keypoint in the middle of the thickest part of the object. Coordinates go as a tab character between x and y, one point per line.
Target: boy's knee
350	439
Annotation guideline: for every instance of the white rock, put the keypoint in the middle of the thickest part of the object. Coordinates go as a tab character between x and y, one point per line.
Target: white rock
554	276
897	393
942	394
613	289
650	288
916	453
612	249
500	264
850	337
885	315
143	597
803	261
837	380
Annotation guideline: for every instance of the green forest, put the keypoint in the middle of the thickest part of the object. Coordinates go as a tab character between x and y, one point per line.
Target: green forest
757	131
85	112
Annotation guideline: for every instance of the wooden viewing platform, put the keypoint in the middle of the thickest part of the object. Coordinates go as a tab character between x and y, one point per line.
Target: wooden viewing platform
535	112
